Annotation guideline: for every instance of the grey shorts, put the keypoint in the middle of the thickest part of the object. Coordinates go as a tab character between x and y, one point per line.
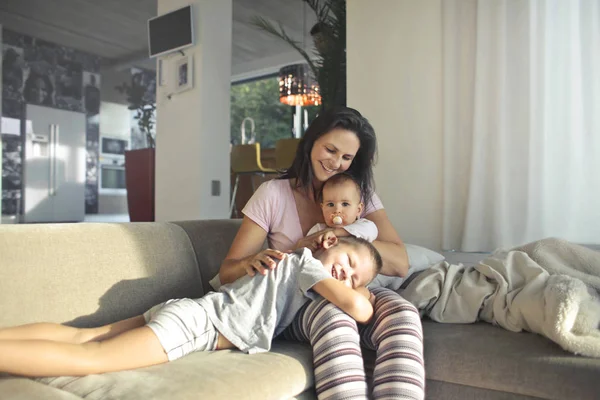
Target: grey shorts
182	327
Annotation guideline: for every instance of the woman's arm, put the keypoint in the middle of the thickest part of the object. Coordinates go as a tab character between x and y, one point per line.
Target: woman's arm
389	245
353	302
245	255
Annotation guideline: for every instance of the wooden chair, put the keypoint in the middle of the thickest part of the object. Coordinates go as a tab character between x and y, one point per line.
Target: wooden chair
245	160
285	152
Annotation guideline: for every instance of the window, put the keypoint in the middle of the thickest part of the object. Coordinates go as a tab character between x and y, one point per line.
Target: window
259	100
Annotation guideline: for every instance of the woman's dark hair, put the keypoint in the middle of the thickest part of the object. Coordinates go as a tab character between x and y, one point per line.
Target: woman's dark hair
362	164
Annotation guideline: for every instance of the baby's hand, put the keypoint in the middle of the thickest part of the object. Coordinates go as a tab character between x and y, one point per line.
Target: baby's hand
328	239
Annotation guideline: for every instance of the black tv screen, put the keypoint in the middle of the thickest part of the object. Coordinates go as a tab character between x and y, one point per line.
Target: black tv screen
114	146
171	31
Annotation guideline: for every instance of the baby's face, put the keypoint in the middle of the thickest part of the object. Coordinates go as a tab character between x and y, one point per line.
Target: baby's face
341	204
350	264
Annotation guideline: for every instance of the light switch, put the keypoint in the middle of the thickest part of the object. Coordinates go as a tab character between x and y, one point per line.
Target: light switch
215	188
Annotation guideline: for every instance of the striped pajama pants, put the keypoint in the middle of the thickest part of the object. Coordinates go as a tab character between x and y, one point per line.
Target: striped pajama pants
395	333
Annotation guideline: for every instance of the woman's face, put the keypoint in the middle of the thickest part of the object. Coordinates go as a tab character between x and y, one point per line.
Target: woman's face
333	153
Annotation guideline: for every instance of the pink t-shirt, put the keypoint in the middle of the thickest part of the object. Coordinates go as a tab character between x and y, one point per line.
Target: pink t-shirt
273	208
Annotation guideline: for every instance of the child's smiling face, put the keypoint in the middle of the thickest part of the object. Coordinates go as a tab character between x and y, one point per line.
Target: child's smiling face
351	264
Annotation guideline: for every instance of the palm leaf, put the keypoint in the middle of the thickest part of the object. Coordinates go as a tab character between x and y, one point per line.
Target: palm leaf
268	27
328	63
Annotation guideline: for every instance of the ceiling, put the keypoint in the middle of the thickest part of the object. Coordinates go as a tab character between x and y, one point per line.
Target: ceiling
116	29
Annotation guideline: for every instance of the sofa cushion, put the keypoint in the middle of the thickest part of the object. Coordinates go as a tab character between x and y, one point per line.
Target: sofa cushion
419	259
91	274
488	357
436	390
15	388
211	240
282	373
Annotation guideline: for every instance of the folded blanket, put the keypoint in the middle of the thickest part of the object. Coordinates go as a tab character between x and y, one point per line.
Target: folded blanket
549	287
559	256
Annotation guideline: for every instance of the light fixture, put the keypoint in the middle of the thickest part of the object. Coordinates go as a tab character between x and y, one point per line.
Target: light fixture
297	87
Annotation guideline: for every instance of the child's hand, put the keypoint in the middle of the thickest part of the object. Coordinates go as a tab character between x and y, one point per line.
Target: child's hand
367	293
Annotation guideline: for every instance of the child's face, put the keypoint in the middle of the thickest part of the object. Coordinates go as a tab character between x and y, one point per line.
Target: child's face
348	263
341	204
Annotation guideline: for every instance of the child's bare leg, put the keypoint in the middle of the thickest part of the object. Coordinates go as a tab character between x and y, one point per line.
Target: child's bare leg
131	349
68	334
223	343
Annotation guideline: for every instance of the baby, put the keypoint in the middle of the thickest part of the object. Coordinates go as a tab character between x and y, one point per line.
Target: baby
245	314
342	205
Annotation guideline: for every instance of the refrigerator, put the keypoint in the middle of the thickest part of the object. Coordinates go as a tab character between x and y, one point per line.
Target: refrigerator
54	165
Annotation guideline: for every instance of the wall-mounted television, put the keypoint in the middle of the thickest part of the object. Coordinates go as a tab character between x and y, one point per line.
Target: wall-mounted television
170	32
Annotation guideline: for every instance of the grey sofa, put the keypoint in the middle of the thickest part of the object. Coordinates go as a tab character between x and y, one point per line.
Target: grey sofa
89	274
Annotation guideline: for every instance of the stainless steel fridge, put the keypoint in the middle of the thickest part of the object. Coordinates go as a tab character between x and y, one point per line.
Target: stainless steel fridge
54	165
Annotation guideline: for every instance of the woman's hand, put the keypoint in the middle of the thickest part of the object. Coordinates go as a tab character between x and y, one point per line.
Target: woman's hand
245	254
263	261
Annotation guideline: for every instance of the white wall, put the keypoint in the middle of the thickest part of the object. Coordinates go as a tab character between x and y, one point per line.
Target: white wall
110	79
395	79
192	141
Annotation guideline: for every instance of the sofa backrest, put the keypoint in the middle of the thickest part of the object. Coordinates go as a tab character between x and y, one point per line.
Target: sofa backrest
89	274
211	240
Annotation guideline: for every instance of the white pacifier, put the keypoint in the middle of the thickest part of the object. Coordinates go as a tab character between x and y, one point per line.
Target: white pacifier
337	220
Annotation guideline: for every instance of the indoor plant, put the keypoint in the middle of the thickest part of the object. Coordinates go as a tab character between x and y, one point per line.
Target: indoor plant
328	61
140	163
142	104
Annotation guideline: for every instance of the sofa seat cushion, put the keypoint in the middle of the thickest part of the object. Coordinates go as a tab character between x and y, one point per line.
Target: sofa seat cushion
282	373
485	356
16	388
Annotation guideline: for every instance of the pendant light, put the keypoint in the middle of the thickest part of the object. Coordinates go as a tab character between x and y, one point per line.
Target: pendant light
297	87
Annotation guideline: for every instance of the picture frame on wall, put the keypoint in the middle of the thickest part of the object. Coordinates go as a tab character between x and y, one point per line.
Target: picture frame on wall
184	69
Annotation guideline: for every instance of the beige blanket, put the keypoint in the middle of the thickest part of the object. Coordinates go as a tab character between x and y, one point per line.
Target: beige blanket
550	287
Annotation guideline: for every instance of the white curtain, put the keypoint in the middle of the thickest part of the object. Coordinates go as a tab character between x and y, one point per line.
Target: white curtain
521	122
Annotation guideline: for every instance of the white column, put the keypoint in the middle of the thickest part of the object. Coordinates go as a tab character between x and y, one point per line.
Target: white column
192	140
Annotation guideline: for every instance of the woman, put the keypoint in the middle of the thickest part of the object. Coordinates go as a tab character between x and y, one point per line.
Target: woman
282	211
